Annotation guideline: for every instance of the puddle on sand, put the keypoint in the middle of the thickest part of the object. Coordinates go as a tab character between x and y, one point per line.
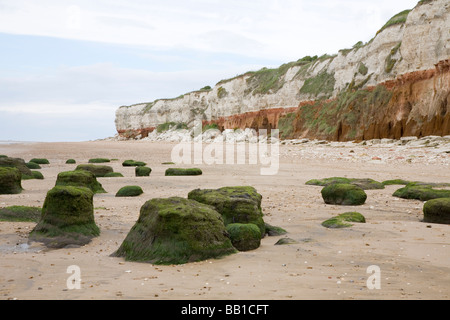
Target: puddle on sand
21	248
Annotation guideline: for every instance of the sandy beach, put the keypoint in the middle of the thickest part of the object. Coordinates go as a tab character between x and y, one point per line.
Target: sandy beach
413	256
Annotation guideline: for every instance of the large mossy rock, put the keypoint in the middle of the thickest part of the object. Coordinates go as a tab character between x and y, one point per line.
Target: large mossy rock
344	194
342	220
16	163
423	191
176	231
20	214
364	183
241	204
437	211
10	180
67	218
244	236
97	170
79	178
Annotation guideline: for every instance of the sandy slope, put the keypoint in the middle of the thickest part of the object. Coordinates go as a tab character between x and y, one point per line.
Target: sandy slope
413	256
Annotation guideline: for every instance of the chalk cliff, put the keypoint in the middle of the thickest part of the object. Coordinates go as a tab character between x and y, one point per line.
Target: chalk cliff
395	85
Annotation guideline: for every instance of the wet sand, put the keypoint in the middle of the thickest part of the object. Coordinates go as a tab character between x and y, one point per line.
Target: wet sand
413	256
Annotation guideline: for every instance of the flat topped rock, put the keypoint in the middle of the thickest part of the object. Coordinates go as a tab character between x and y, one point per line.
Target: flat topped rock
175	231
240	204
67	218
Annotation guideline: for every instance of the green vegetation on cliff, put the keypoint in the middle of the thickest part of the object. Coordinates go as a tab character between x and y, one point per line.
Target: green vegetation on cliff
329	118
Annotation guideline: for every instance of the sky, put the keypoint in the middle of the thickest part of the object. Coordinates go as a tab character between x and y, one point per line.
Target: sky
67	65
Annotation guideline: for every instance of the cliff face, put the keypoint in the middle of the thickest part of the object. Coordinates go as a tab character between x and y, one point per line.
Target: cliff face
397	84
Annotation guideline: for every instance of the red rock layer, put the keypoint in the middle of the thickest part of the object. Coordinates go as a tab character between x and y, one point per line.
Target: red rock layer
262	119
133	133
419	106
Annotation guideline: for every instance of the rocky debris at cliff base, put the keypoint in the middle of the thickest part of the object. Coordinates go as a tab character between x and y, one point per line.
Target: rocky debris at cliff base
428	150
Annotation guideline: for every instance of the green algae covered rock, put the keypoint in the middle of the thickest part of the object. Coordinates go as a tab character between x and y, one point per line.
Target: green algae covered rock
437	211
183	172
133	163
176	231
244	236
113	175
34	175
10	180
67	218
422	191
343	194
71	161
33	165
129	191
364	183
341	221
40	161
99	160
20	214
241	204
15	163
79	178
395	182
97	170
273	230
142	171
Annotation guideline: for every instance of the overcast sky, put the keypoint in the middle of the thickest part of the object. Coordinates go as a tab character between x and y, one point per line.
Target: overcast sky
66	66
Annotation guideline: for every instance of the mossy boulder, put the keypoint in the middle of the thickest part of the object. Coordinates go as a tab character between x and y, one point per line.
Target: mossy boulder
34	175
343	194
437	211
176	231
240	204
133	163
79	178
20	214
129	191
71	161
273	230
363	183
16	163
422	191
33	165
97	170
99	160
40	160
183	172
244	236
113	175
142	171
67	218
10	180
341	221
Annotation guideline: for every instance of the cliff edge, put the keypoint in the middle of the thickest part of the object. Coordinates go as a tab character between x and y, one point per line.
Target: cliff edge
395	85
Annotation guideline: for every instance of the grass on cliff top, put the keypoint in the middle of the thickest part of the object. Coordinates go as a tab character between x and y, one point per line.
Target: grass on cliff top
399	18
270	80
